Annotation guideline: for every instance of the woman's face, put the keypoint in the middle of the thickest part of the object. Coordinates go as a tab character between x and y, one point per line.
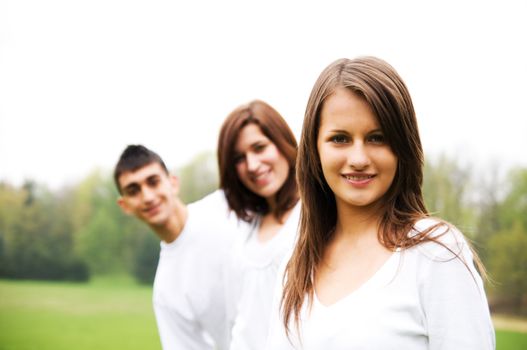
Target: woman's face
358	165
260	165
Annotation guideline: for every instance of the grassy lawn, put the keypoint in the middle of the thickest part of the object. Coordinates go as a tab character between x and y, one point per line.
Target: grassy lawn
114	314
510	340
104	314
511	332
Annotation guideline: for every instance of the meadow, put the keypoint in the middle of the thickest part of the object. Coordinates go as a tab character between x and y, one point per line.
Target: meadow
113	313
104	314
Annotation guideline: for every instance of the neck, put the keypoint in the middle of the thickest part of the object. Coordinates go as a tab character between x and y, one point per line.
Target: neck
357	222
171	229
271	202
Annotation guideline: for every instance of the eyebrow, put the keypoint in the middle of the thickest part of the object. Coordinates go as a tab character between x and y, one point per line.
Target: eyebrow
341	131
258	142
255	143
338	131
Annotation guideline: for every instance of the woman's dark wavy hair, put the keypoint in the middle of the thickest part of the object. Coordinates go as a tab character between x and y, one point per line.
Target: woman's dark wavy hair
242	201
379	84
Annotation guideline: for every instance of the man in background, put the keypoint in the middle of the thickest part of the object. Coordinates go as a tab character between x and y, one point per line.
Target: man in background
189	286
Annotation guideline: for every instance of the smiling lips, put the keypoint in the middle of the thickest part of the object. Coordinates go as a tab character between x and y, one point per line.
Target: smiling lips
152	210
359	179
262	178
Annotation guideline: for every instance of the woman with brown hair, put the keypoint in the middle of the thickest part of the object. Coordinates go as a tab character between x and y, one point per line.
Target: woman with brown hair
371	269
256	156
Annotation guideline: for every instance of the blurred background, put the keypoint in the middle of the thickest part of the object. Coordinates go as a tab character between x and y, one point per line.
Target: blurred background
81	80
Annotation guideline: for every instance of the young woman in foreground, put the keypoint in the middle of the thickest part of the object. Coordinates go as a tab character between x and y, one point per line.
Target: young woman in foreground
256	155
372	269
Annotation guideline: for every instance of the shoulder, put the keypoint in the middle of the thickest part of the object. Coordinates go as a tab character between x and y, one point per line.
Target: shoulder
212	209
295	214
211	218
450	289
441	240
215	202
293	219
444	262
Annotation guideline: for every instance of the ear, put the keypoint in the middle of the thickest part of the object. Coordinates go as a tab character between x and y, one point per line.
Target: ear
124	206
174	182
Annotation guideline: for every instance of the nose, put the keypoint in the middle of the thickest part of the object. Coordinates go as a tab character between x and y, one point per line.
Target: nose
358	157
253	162
148	194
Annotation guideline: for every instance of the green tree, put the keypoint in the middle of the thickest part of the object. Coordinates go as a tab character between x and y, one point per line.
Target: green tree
513	209
488	206
40	244
508	266
506	242
11	202
99	238
146	258
199	177
446	189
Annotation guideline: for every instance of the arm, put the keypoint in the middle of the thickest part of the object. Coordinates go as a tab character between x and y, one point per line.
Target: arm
453	300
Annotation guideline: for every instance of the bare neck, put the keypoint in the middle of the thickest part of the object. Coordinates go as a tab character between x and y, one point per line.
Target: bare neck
271	203
357	223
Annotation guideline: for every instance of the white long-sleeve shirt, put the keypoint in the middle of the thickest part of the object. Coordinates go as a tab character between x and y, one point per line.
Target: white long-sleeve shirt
189	286
421	298
254	269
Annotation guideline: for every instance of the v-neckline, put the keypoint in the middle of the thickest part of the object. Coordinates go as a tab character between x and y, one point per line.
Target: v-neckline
256	228
374	280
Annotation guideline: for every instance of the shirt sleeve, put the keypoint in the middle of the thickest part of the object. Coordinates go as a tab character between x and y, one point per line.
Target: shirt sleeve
453	299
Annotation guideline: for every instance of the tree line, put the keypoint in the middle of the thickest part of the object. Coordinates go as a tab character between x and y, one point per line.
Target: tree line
79	231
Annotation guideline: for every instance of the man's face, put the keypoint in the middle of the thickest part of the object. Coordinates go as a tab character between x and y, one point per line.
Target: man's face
149	193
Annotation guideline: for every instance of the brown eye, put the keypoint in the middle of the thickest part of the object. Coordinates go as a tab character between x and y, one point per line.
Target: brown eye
259	147
131	191
377	138
153	181
238	159
339	138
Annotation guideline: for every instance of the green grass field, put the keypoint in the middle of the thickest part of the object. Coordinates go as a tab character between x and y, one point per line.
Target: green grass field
112	313
105	314
510	340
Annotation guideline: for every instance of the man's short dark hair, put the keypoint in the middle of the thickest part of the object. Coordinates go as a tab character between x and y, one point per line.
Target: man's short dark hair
135	157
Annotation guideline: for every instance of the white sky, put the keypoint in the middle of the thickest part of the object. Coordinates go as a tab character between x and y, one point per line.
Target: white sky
80	80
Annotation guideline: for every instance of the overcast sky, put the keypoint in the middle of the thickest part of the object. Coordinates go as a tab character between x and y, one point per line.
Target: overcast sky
80	80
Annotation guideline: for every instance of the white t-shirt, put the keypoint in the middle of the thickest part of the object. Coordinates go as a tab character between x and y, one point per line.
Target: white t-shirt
421	298
254	270
189	286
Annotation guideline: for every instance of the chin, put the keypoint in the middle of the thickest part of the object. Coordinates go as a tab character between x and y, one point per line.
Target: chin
157	220
357	201
365	203
268	193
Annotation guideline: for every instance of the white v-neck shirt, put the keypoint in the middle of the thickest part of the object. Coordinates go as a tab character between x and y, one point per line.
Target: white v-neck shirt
253	274
420	298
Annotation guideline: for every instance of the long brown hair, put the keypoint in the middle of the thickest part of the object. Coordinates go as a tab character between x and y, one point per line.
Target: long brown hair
244	202
384	90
